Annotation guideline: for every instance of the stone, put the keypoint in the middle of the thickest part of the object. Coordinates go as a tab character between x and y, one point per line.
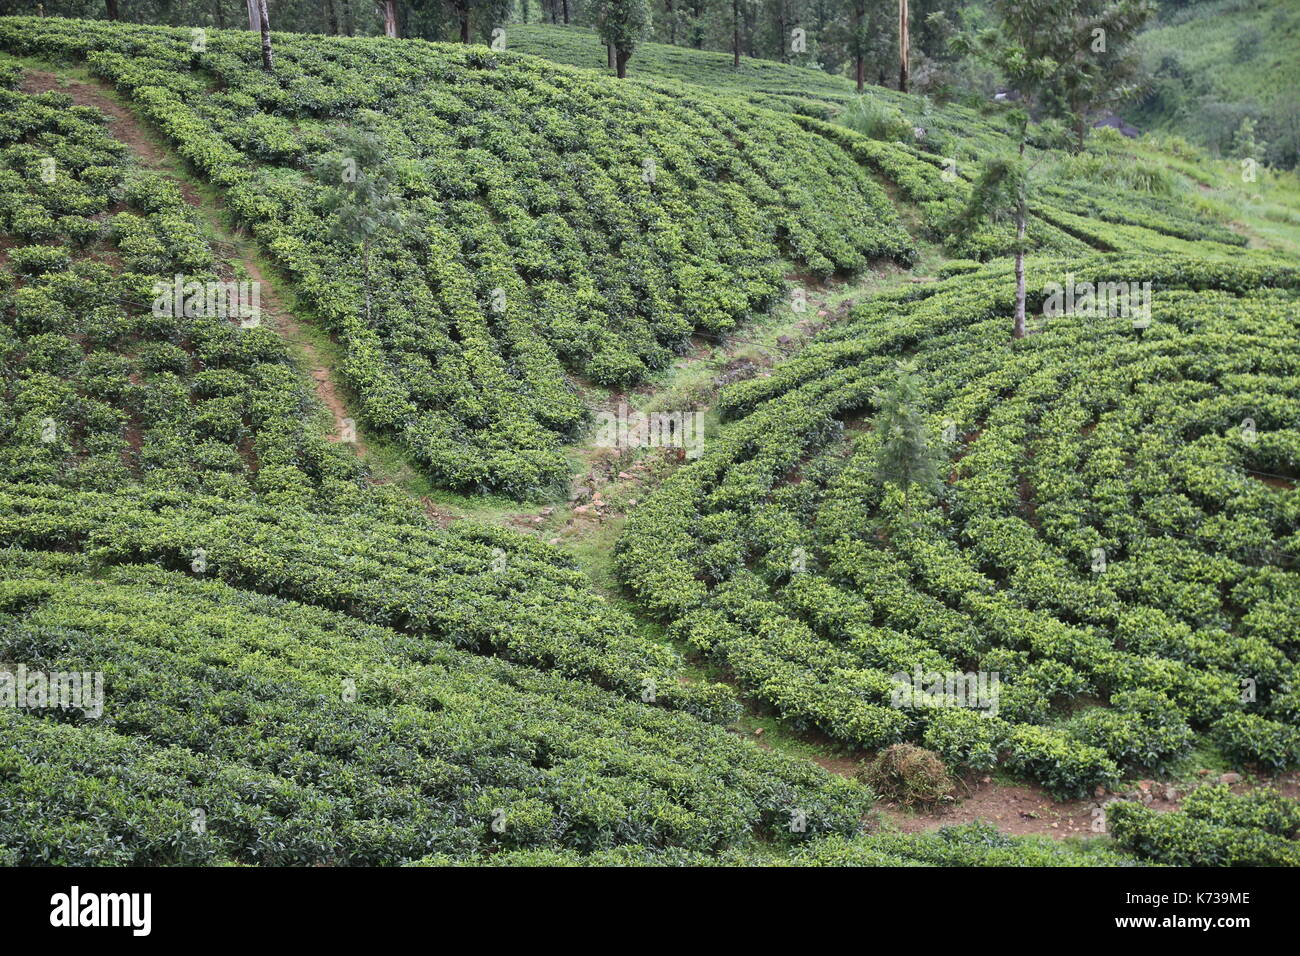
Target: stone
1230	778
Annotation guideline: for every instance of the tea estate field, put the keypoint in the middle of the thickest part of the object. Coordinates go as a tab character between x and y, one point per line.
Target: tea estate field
361	580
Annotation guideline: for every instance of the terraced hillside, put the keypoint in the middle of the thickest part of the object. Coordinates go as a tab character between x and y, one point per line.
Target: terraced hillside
932	153
1115	534
302	658
557	221
301	665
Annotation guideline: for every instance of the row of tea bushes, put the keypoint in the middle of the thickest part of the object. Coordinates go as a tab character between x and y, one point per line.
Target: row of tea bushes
1104	539
553	219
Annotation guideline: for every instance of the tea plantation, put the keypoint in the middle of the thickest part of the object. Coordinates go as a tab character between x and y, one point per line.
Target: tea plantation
308	661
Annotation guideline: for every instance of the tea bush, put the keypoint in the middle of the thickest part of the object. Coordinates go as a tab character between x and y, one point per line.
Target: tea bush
1116	540
555	221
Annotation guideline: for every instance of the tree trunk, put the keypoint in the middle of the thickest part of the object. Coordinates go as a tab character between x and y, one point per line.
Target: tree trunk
859	61
735	33
782	32
672	22
218	17
464	23
254	16
566	12
1020	273
904	46
390	19
620	61
332	15
365	275
268	58
609	55
348	24
111	9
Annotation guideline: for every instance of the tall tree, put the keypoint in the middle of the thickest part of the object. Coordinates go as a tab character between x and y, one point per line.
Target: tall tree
111	9
622	24
905	457
389	10
858	42
782	31
332	17
904	46
735	33
1069	58
264	20
360	196
462	12
1000	194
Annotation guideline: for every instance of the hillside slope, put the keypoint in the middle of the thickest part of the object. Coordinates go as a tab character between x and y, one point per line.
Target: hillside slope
1116	525
1218	62
554	219
318	673
292	657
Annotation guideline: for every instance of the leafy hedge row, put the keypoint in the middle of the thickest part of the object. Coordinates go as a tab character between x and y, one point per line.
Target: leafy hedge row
298	656
250	729
1105	540
1066	216
1214	828
99	391
613	219
479	587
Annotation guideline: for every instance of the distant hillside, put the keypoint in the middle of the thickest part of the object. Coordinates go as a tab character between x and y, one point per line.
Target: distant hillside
1219	62
762	82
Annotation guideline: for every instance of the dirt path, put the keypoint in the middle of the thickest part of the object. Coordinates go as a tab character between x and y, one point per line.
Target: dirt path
128	129
1022	809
